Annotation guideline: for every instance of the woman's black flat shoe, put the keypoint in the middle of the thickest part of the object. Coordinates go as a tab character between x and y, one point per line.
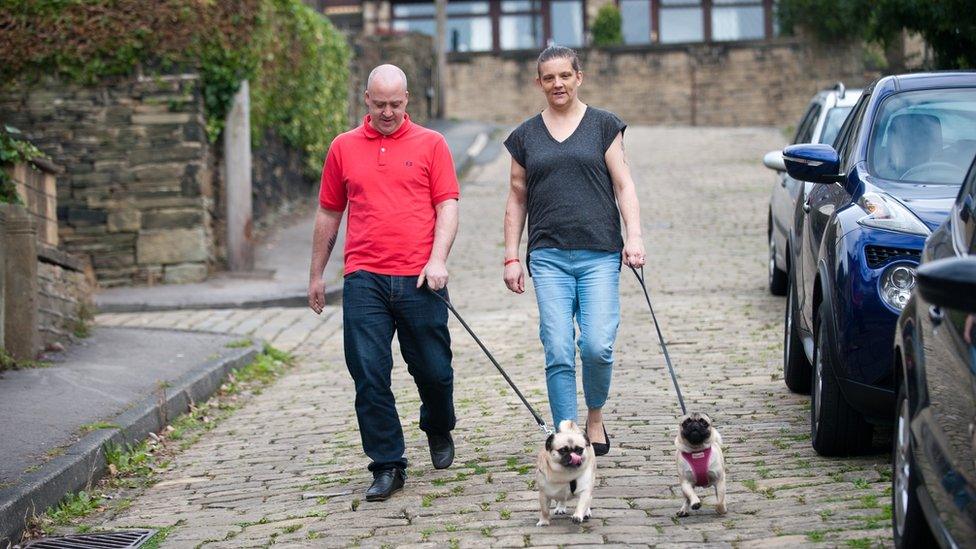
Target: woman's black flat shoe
601	448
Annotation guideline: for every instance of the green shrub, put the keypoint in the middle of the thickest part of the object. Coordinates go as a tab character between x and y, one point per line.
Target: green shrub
294	58
13	150
607	26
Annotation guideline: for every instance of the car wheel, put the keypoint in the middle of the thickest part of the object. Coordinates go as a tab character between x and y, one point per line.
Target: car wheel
796	367
836	429
777	278
907	521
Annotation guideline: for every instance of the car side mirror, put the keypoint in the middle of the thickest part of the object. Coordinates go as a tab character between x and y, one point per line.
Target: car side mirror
949	282
816	163
774	161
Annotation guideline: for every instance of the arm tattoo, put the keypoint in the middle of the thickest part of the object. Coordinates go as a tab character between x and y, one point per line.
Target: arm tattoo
332	241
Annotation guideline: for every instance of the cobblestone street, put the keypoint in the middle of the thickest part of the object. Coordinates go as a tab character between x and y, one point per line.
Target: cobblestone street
288	467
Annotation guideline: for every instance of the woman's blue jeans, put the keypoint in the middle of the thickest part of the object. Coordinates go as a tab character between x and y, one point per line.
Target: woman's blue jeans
576	287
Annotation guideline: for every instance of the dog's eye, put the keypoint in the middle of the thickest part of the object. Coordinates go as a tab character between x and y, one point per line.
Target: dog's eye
577	450
564	450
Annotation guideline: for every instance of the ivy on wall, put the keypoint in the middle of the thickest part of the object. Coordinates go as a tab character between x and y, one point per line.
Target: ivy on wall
13	150
294	58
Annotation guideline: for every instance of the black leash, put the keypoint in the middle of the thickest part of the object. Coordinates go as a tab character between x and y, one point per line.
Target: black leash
538	419
674	378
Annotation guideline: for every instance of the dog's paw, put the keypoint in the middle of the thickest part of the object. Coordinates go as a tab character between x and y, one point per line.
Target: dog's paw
721	509
542	522
588	514
696	506
560	509
578	519
681	513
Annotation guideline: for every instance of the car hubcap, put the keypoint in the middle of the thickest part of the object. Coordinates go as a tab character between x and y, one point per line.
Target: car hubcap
902	471
817	388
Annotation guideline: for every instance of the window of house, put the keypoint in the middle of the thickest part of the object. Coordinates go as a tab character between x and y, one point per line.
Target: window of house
738	20
566	22
520	25
485	25
681	21
636	16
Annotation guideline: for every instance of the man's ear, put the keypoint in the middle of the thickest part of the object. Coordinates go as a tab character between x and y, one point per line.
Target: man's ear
549	443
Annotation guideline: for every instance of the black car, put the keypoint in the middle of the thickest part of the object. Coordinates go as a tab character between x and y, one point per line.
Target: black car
934	461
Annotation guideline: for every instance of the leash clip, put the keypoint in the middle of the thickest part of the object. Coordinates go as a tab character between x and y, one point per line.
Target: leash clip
546	430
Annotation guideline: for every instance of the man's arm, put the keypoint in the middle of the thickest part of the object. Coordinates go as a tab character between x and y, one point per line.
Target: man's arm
626	193
445	229
515	212
323	240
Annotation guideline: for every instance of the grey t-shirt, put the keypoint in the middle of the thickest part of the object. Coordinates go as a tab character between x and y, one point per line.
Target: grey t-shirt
571	203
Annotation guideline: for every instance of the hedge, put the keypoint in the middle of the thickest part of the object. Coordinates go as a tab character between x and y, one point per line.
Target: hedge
295	60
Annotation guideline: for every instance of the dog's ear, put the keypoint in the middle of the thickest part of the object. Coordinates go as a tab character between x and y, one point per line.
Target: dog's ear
549	442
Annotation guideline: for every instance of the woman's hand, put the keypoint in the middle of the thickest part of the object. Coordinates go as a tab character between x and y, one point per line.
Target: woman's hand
634	252
515	277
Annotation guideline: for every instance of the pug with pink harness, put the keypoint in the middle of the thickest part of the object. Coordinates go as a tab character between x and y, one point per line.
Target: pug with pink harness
700	461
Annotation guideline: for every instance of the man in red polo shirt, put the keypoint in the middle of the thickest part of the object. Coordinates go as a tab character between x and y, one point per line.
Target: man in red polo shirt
398	181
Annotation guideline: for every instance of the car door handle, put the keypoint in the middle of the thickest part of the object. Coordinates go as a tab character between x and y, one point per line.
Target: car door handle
782	181
806	207
936	315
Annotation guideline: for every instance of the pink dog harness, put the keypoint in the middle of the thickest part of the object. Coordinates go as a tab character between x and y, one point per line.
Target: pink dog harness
699	465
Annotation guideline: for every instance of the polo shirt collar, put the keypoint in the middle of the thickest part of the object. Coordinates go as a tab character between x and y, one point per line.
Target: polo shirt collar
371	133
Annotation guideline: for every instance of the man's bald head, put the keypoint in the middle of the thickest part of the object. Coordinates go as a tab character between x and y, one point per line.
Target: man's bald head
387	76
386	98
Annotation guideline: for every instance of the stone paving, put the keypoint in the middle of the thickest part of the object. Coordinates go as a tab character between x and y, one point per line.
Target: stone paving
288	469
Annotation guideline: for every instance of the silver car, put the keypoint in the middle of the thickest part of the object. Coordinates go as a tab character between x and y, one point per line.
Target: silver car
820	124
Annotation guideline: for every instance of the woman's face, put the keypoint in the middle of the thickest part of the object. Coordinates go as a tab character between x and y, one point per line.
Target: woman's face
559	81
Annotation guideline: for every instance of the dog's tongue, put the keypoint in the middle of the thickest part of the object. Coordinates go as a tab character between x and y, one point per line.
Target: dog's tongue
575	459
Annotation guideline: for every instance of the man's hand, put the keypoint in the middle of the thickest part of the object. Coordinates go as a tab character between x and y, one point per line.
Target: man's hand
634	252
435	273
316	295
515	277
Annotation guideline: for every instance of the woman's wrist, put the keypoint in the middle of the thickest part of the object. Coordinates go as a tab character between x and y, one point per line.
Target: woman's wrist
511	260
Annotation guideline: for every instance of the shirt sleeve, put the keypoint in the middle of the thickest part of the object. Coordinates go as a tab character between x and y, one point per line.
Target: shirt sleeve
443	178
612	125
332	193
514	145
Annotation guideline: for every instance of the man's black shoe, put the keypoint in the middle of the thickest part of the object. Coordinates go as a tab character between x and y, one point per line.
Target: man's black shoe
441	450
385	484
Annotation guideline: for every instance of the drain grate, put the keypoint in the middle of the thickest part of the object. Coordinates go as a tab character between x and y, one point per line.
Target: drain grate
104	540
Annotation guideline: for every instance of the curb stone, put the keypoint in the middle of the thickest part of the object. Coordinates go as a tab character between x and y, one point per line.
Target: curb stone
83	462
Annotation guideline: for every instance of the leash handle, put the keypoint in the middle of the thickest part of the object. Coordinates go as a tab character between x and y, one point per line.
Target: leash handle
667	357
538	419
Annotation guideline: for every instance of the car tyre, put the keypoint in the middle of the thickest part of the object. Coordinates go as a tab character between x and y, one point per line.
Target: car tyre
796	367
908	523
778	279
836	429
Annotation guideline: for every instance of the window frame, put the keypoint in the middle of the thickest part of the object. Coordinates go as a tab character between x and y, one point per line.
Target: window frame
707	7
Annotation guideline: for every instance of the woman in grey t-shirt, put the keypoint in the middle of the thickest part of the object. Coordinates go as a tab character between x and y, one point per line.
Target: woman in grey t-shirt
570	177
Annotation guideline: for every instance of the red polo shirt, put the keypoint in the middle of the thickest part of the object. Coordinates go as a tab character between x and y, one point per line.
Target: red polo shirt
391	184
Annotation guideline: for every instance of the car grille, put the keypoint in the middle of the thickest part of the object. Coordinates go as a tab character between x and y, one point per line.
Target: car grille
879	255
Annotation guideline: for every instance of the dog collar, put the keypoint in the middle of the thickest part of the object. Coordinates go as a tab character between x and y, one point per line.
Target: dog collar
698	461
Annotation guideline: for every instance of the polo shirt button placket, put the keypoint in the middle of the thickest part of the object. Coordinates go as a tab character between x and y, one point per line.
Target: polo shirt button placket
382	155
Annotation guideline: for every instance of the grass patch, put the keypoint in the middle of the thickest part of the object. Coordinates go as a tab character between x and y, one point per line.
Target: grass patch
239	343
816	536
89	427
73	507
158	538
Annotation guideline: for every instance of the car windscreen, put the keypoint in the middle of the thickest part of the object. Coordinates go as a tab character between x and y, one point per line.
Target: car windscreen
834	120
926	136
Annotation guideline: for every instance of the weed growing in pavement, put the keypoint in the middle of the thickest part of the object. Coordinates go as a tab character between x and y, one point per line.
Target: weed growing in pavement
137	466
89	427
239	344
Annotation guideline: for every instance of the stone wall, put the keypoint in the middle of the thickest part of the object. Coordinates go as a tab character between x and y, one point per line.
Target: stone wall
136	196
278	179
728	84
64	303
35	184
412	52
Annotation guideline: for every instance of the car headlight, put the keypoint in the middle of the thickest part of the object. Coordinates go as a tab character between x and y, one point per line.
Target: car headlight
887	213
897	283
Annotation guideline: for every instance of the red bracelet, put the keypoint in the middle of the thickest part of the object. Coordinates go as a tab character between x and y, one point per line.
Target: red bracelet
510	261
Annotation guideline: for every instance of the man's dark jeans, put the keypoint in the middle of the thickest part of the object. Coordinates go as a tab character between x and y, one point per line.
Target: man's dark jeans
375	306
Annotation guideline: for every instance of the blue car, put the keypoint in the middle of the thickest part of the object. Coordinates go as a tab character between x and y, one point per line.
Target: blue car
820	123
934	456
899	160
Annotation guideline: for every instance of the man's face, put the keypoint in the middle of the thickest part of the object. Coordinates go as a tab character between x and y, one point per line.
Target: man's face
387	103
559	81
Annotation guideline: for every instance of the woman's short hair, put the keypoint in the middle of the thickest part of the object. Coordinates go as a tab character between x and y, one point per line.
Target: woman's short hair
558	52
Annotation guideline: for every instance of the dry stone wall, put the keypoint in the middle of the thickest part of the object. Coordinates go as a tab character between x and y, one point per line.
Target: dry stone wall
729	84
136	197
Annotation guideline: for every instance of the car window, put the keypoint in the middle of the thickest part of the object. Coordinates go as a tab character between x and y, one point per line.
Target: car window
926	136
832	123
804	134
849	132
